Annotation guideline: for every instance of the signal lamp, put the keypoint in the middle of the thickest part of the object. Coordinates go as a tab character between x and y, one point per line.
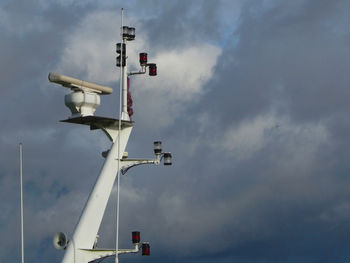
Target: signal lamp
157	147
118	61
145	249
118	48
131	33
125	31
152	69
135	237
167	158
122	55
143	59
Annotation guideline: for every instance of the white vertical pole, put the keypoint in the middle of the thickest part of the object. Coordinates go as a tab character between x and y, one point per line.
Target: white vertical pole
21	180
125	86
124	75
121	86
121	82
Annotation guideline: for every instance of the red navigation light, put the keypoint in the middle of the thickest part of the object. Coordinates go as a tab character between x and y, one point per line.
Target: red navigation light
143	59
152	69
135	237
145	249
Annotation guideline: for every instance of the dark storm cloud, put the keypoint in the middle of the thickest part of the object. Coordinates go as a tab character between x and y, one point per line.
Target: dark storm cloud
32	37
293	56
180	23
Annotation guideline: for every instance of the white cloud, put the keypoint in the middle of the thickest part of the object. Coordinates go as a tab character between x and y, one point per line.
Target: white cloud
182	74
90	49
245	139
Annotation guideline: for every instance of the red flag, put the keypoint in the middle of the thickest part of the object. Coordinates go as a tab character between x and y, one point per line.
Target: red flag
130	110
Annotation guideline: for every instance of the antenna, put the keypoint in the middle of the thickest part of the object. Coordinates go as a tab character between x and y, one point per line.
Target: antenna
21	183
121	89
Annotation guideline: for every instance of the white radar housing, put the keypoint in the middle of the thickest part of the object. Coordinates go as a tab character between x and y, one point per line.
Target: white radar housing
84	99
82	103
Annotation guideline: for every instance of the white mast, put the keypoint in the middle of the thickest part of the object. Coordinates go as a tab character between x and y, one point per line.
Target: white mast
82	102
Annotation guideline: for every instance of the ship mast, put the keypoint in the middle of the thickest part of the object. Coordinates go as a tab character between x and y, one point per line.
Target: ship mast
83	101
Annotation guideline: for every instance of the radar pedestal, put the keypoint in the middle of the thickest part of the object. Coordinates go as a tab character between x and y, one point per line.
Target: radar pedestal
82	103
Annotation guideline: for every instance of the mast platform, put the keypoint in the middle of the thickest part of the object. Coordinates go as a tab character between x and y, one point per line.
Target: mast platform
96	122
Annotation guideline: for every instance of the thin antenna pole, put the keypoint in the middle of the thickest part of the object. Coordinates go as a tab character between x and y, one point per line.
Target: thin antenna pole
21	179
119	131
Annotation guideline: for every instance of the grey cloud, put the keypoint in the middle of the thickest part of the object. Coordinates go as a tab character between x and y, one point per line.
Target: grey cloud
290	57
177	24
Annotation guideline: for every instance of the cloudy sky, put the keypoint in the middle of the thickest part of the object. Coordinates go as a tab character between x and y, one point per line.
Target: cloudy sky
251	97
